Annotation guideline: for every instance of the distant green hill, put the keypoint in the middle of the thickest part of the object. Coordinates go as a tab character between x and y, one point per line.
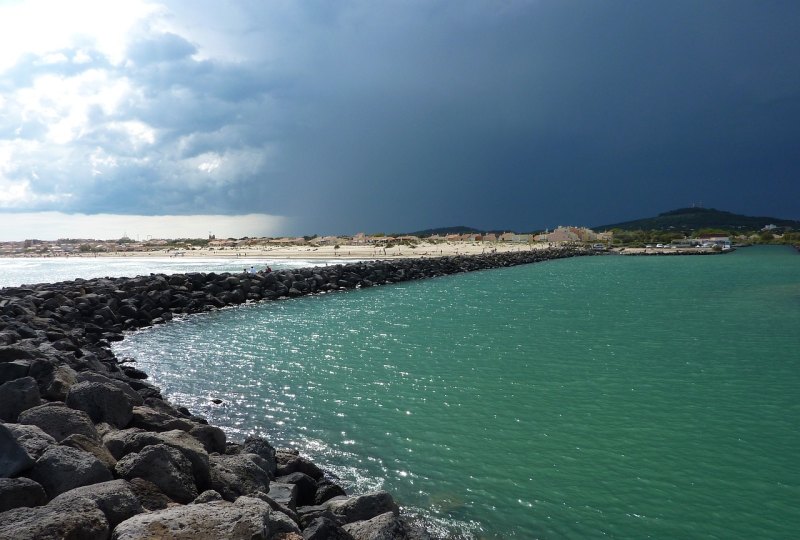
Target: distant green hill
692	219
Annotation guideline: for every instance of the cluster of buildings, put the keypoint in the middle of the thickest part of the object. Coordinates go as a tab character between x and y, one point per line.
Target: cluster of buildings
560	235
66	247
573	234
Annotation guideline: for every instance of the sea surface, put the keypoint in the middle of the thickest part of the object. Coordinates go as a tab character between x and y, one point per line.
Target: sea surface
595	397
31	270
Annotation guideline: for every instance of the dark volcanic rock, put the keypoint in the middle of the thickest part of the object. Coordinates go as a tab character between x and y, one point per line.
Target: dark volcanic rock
306	487
382	527
260	447
59	421
79	519
211	437
9	353
363	507
14	370
245	519
207	496
237	475
114	498
148	495
165	467
13	457
151	420
290	462
323	528
61	469
54	381
285	494
19	492
326	491
135	397
103	402
91	446
283	526
32	439
121	443
17	396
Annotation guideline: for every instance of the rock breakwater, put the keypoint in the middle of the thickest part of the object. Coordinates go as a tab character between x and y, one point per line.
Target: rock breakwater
90	449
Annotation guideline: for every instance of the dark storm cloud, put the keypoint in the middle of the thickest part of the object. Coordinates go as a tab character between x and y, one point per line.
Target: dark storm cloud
547	113
394	116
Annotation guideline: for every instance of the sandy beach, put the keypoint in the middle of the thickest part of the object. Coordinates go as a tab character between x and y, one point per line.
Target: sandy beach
353	251
344	251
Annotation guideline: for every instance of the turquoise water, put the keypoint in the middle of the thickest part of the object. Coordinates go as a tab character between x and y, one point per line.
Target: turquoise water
582	398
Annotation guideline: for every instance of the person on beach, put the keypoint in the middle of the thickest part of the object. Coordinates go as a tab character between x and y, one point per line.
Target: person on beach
252	269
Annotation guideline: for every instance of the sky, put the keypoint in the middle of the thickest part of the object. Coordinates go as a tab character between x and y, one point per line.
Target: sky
267	118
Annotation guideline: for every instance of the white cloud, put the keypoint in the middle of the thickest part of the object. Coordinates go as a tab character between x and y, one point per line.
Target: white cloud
12	193
19	193
102	162
54	225
138	133
65	104
42	27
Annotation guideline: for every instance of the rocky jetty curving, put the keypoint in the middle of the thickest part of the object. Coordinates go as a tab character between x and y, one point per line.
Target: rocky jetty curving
90	449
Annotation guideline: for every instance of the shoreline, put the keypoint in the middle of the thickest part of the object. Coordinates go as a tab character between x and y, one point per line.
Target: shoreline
63	387
347	253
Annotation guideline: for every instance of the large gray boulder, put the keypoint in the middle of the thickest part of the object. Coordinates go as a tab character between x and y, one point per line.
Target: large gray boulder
327	490
13	457
237	475
20	351
323	528
150	419
14	370
283	493
208	496
134	396
363	507
61	469
306	487
165	467
59	421
103	402
92	446
55	383
290	461
282	524
307	514
385	526
17	396
193	450
19	492
114	498
123	442
78	519
245	519
211	437
260	447
149	495
32	439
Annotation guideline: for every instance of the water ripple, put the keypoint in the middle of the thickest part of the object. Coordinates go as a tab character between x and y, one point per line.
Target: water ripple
581	398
